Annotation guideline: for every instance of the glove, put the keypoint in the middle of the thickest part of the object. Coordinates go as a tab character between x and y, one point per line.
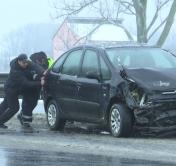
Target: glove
35	77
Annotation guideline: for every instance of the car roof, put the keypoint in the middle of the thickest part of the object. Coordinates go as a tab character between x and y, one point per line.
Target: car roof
106	45
129	44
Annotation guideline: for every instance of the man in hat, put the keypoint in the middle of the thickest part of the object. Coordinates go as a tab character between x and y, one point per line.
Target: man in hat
40	58
37	68
19	83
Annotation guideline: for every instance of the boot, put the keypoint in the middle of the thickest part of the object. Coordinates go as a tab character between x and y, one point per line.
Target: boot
20	119
3	126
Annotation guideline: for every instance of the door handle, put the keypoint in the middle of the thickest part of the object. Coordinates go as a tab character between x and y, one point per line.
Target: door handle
104	88
78	84
78	87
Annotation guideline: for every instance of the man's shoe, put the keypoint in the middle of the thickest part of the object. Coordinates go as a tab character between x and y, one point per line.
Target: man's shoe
26	125
27	128
3	126
20	119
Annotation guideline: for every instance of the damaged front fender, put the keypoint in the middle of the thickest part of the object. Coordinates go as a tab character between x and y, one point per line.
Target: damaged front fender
150	108
134	96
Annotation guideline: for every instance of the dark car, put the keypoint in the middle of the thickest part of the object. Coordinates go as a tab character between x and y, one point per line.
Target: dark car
118	87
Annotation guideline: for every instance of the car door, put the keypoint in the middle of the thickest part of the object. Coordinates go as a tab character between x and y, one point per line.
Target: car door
89	89
52	77
65	87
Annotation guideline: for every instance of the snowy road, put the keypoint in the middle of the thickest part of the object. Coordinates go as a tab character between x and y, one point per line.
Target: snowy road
78	145
39	108
74	148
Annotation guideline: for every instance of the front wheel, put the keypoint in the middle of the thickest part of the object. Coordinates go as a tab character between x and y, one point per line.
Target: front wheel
53	117
120	120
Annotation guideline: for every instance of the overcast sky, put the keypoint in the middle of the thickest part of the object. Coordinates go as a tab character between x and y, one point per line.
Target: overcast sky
15	14
18	13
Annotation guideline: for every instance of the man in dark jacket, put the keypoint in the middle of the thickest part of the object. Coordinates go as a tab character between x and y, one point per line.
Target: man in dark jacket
41	59
18	83
36	70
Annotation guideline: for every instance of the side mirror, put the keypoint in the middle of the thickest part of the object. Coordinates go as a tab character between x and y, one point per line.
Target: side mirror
93	75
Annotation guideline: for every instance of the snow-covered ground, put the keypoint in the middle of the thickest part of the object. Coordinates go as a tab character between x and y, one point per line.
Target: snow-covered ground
38	109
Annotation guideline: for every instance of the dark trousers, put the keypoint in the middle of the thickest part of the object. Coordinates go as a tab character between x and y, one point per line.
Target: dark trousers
29	102
9	106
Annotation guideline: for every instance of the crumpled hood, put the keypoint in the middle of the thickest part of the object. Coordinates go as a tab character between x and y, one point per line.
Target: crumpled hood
153	79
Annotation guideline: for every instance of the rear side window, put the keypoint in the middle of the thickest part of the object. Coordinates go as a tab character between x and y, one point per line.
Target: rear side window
90	63
105	72
58	63
71	64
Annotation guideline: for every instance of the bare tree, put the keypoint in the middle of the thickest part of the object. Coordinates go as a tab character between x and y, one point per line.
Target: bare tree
28	39
146	27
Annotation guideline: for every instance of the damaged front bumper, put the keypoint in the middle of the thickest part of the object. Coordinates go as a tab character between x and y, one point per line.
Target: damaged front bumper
151	108
157	111
157	117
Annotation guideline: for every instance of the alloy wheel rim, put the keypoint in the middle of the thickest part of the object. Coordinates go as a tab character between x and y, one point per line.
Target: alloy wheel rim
52	115
115	121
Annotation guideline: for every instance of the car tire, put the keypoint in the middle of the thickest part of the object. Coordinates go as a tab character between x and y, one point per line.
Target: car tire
120	120
53	117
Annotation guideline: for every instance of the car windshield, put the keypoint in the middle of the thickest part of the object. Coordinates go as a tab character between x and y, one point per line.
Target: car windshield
141	58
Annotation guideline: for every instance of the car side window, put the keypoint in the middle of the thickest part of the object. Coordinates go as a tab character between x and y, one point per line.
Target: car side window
105	72
58	63
90	63
126	60
71	64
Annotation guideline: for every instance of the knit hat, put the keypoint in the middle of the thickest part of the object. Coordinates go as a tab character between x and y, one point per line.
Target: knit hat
22	57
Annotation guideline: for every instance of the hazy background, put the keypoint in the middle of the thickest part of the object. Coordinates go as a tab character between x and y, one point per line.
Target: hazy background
15	14
28	26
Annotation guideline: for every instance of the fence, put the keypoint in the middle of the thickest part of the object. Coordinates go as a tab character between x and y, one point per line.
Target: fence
3	78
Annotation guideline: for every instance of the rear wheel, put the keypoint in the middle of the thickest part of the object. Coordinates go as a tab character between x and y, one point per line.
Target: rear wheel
53	117
120	121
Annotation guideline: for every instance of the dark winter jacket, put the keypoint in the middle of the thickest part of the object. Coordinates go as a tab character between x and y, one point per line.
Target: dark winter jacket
20	80
34	72
41	59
